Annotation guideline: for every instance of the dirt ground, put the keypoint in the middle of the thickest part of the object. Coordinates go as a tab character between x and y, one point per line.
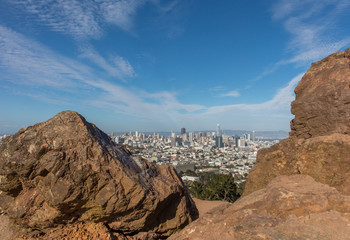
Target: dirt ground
204	206
5	232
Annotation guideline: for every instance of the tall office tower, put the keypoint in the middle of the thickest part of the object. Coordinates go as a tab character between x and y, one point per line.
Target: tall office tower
218	131
184	137
241	143
248	136
137	134
218	138
191	134
173	138
236	140
183	131
253	135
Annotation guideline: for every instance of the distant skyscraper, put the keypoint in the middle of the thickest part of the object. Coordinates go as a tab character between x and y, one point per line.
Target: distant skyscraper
191	136
241	143
173	139
173	134
218	131
236	138
218	138
183	131
253	135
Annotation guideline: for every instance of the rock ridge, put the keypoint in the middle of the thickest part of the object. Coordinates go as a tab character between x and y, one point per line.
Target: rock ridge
290	207
66	170
321	105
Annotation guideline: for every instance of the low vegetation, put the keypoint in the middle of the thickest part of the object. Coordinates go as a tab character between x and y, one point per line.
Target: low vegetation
215	187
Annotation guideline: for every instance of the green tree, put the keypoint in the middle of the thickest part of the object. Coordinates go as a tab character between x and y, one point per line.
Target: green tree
215	187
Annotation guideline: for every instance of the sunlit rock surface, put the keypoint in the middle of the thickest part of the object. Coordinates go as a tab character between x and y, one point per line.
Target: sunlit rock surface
67	171
290	207
319	142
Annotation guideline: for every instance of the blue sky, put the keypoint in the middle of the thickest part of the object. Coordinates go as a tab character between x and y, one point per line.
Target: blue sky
157	65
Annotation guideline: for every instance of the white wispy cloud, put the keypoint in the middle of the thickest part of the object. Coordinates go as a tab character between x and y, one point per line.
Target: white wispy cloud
216	89
86	19
124	66
313	28
115	66
281	101
271	114
32	63
76	18
26	62
165	8
233	93
120	13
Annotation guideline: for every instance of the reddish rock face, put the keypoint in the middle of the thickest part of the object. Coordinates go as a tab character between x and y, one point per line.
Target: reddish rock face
319	142
290	207
325	158
66	170
322	102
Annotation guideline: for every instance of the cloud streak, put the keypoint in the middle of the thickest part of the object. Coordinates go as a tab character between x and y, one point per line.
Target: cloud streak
35	69
233	93
120	13
313	29
280	101
116	66
79	19
26	62
311	25
86	19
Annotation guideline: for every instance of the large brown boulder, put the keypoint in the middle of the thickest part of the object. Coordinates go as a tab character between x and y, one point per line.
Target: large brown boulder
322	98
290	207
319	142
66	171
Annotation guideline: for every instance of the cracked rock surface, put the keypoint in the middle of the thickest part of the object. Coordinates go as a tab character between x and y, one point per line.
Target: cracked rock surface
66	171
319	142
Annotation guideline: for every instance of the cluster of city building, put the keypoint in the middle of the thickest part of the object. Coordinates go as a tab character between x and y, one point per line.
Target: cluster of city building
197	151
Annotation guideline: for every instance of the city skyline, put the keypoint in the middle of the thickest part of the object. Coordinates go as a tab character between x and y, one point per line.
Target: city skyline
213	133
152	65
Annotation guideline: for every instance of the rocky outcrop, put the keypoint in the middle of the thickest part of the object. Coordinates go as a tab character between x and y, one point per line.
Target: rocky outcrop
67	171
290	207
319	142
88	231
299	188
322	98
